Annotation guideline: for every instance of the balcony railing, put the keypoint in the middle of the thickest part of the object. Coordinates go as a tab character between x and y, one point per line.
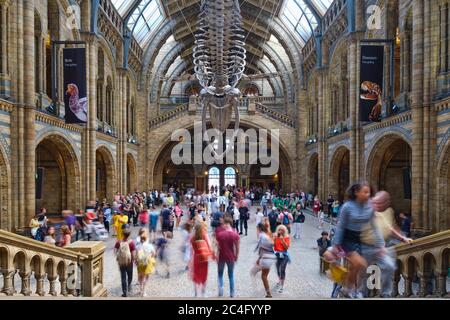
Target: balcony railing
423	267
32	268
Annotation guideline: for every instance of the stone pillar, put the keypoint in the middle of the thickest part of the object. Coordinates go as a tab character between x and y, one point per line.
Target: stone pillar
25	283
52	280
322	133
92	116
441	280
417	115
5	79
17	126
8	275
302	123
29	116
123	138
40	284
92	267
428	124
353	107
408	286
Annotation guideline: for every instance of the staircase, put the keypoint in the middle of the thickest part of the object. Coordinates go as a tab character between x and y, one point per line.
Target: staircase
36	269
247	106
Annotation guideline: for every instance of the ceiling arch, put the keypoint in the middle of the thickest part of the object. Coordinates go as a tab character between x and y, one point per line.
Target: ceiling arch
291	22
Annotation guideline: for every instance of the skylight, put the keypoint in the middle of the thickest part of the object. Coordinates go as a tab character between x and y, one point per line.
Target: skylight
301	18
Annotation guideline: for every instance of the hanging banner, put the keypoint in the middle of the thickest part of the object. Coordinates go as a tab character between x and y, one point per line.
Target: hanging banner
75	87
371	79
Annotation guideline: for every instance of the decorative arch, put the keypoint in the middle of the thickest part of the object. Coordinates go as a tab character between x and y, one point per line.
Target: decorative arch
388	168
156	166
441	218
313	174
339	173
59	175
131	174
105	173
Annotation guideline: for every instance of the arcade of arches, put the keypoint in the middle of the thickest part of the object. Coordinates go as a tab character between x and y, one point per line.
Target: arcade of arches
306	86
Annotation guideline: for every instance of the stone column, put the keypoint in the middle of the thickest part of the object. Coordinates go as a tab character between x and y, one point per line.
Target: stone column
40	284
428	123
92	116
302	121
4	5
17	127
353	107
417	115
8	275
25	283
408	286
29	116
322	138
124	134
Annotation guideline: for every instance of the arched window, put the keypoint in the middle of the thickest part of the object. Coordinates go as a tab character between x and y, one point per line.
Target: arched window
213	178
230	176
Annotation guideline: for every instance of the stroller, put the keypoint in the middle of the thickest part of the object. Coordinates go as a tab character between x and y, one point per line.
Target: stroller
100	233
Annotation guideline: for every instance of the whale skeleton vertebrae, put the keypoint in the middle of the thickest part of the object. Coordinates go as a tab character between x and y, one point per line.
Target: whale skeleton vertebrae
219	61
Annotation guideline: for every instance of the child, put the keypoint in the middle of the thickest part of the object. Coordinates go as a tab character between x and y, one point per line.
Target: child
259	217
321	218
162	244
186	246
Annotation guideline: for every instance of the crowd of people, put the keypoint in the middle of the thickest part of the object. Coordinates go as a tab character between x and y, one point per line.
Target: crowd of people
360	230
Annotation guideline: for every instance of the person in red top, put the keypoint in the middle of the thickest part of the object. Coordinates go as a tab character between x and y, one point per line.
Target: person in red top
228	245
316	207
178	214
126	269
282	243
202	251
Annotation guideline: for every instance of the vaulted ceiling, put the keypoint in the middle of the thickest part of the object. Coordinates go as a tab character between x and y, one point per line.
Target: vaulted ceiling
276	30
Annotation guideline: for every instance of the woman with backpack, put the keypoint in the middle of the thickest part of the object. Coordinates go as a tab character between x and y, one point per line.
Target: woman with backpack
145	259
202	251
281	242
125	254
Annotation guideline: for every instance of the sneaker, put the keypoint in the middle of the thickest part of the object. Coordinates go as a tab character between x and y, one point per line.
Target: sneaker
124	295
268	295
277	286
280	290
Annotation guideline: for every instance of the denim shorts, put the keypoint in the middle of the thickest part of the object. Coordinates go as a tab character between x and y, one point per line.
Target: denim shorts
352	241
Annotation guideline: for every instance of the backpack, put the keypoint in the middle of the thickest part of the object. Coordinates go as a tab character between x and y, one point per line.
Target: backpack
124	254
302	217
142	258
285	219
273	217
40	234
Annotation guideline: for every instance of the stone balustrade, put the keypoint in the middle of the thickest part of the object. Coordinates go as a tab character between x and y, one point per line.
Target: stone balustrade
423	267
246	106
169	115
33	268
280	117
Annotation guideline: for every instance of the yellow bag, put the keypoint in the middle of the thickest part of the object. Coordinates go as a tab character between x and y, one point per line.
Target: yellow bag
151	265
337	273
